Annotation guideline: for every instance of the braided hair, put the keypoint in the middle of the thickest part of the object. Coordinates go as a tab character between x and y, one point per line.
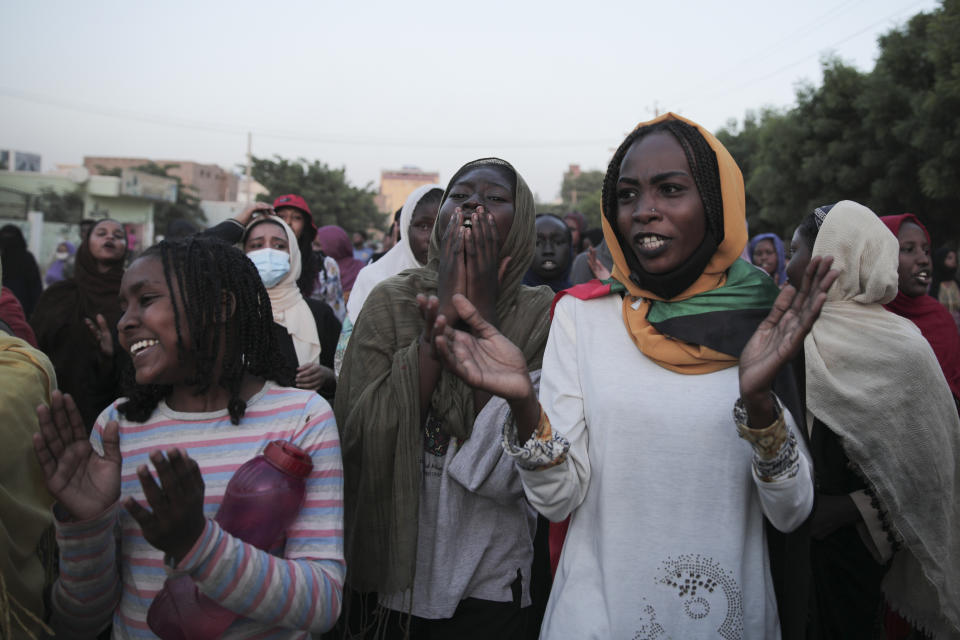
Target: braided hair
706	175
211	277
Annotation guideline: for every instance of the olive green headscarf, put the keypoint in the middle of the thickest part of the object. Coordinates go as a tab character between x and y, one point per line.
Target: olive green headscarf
378	405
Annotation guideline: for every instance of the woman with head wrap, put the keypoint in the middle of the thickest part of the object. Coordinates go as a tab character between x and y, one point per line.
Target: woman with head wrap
20	271
885	438
912	301
766	251
310	325
61	267
76	321
414	224
436	521
633	435
944	286
417	217
553	257
335	244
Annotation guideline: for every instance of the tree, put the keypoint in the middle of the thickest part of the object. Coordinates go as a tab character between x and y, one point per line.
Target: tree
331	198
187	206
888	138
580	191
60	207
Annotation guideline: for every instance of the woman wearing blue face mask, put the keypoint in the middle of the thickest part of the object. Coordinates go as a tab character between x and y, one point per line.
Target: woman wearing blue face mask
311	325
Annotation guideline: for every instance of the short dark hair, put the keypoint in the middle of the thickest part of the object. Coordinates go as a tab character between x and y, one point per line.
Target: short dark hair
205	271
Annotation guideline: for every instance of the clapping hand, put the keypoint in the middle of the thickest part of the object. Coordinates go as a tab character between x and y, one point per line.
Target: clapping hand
101	332
483	358
84	483
780	336
176	518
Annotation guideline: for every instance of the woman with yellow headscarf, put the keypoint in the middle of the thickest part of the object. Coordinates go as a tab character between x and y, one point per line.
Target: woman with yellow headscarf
635	434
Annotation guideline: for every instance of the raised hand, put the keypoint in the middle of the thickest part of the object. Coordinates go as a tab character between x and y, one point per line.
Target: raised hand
101	332
83	482
484	269
599	271
451	274
176	519
483	358
256	209
780	336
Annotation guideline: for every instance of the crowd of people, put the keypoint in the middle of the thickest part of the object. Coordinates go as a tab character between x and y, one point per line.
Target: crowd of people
510	425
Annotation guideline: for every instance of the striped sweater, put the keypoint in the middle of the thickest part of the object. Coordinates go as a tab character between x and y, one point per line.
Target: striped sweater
277	597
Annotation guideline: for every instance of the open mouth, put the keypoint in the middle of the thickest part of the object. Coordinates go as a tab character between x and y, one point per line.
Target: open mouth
650	243
922	276
140	346
548	264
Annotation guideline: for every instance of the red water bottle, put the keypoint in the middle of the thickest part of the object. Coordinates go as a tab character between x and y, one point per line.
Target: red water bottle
261	501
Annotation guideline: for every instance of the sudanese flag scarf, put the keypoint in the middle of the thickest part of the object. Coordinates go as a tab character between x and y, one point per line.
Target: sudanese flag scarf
698	319
704	327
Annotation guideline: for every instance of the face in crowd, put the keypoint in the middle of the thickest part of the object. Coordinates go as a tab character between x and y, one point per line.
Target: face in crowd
488	186
660	214
552	257
765	256
421	225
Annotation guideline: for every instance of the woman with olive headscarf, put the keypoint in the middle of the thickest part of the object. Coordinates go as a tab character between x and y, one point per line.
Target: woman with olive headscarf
435	518
633	434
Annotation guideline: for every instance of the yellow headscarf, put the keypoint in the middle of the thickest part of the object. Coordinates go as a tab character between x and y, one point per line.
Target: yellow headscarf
683	357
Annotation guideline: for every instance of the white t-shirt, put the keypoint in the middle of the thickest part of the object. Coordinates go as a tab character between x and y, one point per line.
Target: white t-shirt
666	538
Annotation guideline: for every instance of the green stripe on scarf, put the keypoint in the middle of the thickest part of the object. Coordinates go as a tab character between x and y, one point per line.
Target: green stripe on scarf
747	287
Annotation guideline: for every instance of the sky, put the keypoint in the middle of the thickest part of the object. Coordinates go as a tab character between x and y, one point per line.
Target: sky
380	85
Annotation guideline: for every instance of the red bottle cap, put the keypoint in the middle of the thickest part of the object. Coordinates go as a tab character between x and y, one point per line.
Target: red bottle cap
289	458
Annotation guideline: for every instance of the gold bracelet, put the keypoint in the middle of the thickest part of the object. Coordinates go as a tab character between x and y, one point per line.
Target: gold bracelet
766	442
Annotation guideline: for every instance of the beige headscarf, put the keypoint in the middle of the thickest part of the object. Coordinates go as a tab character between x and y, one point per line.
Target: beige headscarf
873	379
289	307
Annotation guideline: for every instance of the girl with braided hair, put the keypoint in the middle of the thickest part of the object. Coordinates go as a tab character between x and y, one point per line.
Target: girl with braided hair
676	525
205	396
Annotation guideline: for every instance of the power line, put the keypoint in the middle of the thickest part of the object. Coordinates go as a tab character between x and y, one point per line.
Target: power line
816	22
754	80
167	121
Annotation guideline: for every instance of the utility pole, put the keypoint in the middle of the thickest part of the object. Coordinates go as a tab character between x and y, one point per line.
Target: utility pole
249	162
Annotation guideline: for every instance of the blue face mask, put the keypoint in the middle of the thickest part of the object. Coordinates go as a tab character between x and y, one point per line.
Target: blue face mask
272	264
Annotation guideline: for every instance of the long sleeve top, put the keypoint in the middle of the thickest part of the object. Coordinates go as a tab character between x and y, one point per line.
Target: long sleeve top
108	568
666	535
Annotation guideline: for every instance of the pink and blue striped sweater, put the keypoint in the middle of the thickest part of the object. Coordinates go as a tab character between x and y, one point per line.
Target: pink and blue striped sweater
277	597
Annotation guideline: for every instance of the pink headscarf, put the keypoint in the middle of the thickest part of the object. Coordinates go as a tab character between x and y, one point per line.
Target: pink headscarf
335	243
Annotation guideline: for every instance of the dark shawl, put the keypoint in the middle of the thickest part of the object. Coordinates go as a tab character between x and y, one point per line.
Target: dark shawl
82	370
20	271
377	404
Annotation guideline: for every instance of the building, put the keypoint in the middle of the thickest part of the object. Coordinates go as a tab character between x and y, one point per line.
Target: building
130	200
12	160
395	186
206	181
